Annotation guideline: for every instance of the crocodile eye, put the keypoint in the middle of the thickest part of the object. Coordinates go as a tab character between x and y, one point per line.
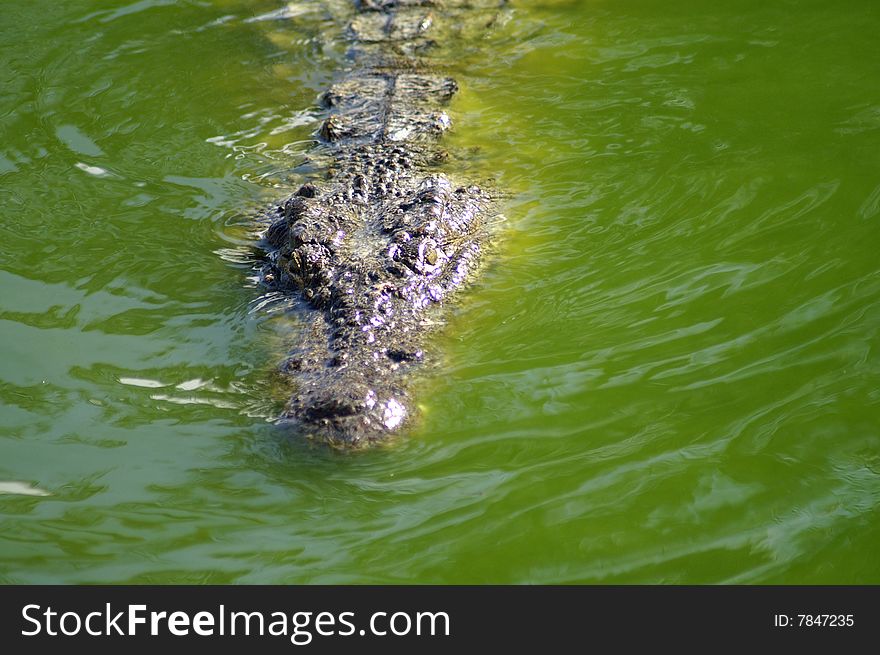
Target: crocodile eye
307	190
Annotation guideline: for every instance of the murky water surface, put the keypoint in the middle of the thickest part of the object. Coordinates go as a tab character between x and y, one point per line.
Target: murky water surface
668	372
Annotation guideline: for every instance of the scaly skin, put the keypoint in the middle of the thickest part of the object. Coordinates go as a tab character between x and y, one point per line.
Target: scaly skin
375	248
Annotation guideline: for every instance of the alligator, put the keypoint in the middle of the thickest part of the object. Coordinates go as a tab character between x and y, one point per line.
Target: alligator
374	245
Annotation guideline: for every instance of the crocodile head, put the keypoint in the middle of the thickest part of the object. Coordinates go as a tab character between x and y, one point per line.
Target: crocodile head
372	253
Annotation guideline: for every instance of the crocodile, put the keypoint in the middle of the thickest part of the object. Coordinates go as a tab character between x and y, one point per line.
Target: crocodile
374	245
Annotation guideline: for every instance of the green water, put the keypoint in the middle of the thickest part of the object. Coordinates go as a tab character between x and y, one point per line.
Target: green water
667	373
